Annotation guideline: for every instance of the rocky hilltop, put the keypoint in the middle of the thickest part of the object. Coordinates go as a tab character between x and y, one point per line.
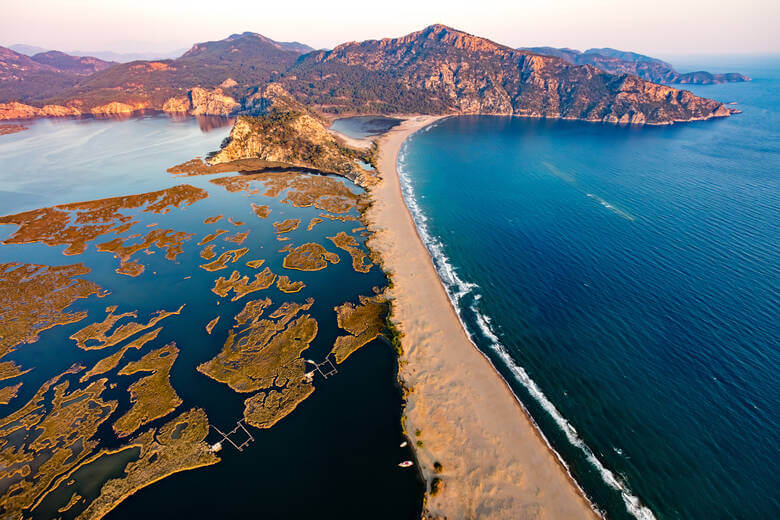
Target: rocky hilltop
646	67
442	70
286	132
438	70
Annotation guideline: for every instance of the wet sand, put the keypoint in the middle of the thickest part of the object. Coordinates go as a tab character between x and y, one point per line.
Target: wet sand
495	463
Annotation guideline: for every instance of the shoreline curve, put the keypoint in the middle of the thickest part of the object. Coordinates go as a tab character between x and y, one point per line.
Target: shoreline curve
495	461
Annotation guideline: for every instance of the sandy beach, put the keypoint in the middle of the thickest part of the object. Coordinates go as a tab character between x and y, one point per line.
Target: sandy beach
495	463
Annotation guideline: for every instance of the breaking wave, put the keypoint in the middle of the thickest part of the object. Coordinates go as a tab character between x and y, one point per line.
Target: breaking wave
457	288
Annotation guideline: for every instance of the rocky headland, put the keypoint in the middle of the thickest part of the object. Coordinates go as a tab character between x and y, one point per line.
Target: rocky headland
286	133
438	70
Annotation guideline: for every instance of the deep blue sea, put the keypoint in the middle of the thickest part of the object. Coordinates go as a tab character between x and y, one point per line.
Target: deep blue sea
626	282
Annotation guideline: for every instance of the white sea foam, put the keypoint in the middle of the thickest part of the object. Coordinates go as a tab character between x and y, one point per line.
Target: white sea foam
612	208
456	289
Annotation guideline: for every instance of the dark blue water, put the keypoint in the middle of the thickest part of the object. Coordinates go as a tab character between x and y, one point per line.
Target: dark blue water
626	283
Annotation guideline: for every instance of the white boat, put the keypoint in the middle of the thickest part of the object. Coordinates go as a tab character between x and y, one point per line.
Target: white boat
406	464
404	444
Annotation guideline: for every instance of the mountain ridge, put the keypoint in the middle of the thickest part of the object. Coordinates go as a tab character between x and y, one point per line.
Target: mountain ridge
646	67
443	70
436	70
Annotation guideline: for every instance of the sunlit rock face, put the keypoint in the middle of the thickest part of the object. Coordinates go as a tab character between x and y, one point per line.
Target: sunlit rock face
442	70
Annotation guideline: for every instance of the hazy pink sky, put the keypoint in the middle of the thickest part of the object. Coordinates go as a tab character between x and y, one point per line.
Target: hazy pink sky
660	27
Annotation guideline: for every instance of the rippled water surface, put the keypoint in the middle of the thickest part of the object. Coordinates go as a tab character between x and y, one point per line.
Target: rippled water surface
625	281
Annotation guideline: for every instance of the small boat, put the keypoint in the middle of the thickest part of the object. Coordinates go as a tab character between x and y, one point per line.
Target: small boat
404	444
406	464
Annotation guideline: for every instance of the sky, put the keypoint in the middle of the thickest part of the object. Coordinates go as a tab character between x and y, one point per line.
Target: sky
657	27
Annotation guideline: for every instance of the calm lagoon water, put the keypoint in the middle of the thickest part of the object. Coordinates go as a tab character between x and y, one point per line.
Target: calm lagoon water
335	456
360	127
625	281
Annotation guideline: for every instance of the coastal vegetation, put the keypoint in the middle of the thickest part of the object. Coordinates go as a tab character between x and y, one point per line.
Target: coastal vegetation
152	396
348	243
309	257
363	322
261	354
284	284
221	262
35	299
285	226
241	285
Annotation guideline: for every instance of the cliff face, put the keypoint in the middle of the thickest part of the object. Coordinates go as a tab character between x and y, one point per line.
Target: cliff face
441	70
287	132
621	62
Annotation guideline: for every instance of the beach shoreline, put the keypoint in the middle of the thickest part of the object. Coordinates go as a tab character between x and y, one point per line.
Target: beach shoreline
460	411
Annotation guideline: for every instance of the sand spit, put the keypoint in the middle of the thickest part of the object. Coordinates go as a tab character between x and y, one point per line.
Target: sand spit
494	463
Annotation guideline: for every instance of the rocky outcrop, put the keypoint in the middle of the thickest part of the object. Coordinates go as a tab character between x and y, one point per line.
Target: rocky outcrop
211	102
180	104
21	111
198	101
116	108
287	132
442	70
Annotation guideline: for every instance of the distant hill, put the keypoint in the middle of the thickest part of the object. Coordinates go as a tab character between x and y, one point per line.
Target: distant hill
300	48
79	65
443	70
25	78
119	57
27	50
438	70
646	67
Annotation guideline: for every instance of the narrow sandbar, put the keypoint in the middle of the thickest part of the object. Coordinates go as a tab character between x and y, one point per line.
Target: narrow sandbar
495	464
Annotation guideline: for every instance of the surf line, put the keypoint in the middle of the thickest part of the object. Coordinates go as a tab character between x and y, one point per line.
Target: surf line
456	289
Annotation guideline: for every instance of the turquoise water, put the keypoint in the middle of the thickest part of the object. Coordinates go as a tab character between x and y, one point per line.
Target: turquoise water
334	456
625	281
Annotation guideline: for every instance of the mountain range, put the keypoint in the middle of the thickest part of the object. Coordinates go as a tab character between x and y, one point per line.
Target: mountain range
119	57
646	67
438	70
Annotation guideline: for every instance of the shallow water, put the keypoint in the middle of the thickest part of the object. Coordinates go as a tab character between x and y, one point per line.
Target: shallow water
625	282
360	127
334	456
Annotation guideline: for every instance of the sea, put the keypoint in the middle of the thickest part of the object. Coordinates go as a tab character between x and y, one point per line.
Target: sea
335	456
625	281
